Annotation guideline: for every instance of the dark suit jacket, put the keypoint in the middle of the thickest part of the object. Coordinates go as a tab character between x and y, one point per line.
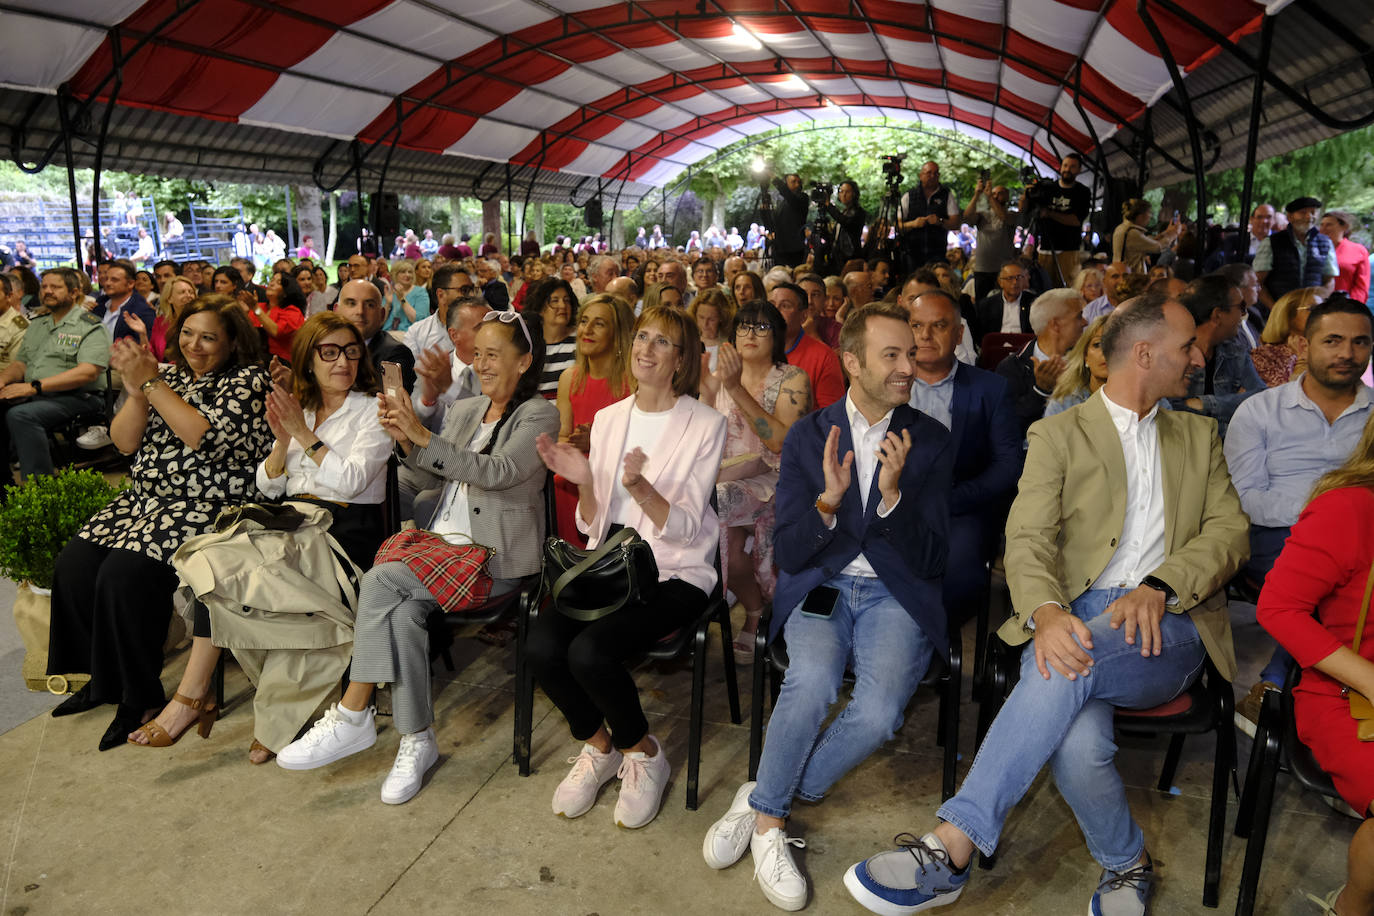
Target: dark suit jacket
987	442
907	549
990	315
136	304
386	349
1019	372
497	295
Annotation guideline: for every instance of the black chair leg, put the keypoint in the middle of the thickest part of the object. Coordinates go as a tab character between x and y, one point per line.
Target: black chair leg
949	708
1256	800
727	642
219	683
694	728
1216	827
524	694
756	704
1166	775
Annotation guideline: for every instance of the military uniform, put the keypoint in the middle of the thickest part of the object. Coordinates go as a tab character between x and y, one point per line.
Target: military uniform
12	328
50	347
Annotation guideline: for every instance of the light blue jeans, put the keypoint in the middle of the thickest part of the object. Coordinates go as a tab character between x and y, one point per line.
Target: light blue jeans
1070	725
890	655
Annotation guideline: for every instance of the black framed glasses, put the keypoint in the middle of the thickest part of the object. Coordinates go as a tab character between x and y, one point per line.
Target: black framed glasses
745	329
330	352
461	290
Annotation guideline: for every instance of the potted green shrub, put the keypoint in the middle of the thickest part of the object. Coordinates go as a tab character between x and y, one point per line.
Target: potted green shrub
37	520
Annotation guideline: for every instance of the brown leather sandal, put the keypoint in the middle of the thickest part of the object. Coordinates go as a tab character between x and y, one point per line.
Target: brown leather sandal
259	746
158	736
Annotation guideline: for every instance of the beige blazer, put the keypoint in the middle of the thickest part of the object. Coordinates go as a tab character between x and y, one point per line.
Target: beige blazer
1070	509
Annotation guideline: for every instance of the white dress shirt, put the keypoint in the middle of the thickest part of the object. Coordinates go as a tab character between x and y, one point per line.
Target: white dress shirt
1011	315
1141	548
354	468
426	334
866	440
464	385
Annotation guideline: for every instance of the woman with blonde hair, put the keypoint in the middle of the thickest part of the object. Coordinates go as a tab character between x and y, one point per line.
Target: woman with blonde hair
177	293
1085	369
1089	284
663	295
401	310
1282	353
1130	243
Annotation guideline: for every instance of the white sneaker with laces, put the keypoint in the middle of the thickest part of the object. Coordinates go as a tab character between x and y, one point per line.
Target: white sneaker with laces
591	770
93	438
777	874
330	739
417	753
728	837
643	780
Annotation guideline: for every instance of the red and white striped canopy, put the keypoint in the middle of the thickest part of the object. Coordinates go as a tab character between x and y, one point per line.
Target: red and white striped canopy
622	91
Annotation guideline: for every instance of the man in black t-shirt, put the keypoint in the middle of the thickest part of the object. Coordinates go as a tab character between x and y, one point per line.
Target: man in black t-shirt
1064	206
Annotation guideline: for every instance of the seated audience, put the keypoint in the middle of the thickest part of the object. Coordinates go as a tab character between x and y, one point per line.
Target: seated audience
329	450
1112	292
198	428
859	584
819	362
1057	321
1283	439
556	305
746	287
281	314
491	483
1152	610
653	461
1088	284
1085	369
402	310
761	396
57	374
1312	604
361	303
1006	311
1282	353
177	293
13	324
450	283
532	274
118	300
713	310
975	406
1241	276
662	295
1228	376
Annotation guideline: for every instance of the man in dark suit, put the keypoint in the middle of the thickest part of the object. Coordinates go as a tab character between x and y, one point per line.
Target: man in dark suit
118	299
361	303
860	547
975	407
1006	311
1057	321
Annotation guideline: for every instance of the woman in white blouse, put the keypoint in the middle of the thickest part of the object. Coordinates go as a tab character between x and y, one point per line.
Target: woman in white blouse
330	450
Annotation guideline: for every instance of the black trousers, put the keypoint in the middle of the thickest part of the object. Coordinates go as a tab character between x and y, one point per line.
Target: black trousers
581	666
110	610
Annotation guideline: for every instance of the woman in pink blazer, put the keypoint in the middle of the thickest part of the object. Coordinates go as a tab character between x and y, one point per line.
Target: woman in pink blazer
653	464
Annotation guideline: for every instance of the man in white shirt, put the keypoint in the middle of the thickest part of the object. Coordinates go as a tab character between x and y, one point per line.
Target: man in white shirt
1006	311
1117	572
601	271
450	282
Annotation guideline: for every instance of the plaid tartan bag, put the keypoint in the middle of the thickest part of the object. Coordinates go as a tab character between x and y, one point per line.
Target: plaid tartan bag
455	574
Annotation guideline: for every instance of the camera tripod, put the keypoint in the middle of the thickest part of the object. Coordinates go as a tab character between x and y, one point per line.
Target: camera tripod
882	237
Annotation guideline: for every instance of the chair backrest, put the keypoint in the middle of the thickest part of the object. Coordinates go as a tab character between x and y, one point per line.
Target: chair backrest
391	503
1300	761
997	347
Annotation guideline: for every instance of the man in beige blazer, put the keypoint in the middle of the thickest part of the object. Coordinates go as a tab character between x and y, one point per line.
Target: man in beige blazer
1123	534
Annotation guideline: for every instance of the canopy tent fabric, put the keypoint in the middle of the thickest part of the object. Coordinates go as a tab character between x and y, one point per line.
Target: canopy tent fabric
581	96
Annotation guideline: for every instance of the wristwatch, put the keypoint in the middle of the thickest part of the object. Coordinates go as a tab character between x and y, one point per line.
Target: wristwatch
824	506
37	386
1160	585
312	448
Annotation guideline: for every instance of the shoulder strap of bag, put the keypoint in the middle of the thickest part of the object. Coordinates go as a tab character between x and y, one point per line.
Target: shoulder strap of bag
1364	608
611	543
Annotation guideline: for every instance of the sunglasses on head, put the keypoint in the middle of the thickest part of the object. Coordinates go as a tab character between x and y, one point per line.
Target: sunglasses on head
510	318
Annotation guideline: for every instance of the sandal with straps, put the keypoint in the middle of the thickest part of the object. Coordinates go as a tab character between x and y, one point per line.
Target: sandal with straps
159	737
744	640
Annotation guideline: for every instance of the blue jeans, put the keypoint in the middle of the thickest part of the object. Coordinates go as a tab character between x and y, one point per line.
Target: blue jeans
890	656
1069	724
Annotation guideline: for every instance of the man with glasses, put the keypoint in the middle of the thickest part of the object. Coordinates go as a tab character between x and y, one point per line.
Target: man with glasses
1006	311
818	361
450	282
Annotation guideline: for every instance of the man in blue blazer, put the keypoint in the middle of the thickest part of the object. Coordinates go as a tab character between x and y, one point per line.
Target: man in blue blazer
976	407
860	542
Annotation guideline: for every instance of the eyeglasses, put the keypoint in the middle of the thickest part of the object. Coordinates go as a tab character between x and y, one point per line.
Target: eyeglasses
460	290
744	329
330	352
510	318
658	341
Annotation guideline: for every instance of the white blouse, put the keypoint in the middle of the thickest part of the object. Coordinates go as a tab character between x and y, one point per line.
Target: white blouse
354	468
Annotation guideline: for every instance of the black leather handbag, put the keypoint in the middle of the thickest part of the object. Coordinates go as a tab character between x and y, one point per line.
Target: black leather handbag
587	585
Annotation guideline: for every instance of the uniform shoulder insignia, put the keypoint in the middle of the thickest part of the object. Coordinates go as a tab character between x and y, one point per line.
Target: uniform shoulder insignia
90	318
21	322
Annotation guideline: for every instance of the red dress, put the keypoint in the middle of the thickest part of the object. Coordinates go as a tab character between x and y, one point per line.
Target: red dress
1311	603
595	394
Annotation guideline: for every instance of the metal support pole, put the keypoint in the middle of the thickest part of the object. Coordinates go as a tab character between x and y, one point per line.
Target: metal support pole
1252	138
290	225
100	140
1190	117
358	182
63	98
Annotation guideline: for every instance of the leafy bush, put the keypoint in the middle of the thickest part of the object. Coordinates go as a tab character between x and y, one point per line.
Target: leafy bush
41	515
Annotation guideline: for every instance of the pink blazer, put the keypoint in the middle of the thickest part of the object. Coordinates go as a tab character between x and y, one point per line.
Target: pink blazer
682	467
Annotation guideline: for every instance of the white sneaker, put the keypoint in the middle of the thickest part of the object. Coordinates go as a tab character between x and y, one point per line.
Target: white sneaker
591	770
777	874
330	739
417	753
643	780
94	437
728	837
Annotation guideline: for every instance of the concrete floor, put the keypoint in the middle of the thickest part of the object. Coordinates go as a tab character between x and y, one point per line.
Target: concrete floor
195	829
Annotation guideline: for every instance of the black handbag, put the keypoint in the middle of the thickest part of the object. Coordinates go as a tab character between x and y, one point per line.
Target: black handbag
587	585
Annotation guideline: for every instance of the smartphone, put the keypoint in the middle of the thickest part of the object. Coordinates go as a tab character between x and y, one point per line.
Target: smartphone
985	175
391	378
1175	216
820	602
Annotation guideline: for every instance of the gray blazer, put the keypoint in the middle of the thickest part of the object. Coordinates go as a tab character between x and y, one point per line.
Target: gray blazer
506	487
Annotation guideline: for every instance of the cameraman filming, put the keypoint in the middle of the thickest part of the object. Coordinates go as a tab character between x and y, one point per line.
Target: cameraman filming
1061	207
924	218
789	237
849	220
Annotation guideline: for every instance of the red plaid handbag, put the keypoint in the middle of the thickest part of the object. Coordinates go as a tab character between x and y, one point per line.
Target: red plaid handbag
455	574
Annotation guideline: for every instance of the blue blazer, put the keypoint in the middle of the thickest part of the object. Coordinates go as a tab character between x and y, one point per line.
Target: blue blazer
907	549
987	441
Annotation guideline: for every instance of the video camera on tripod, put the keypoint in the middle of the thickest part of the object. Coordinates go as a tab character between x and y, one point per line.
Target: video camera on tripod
820	192
892	169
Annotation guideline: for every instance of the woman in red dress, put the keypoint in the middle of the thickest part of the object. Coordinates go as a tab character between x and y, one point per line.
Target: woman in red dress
599	377
1311	605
